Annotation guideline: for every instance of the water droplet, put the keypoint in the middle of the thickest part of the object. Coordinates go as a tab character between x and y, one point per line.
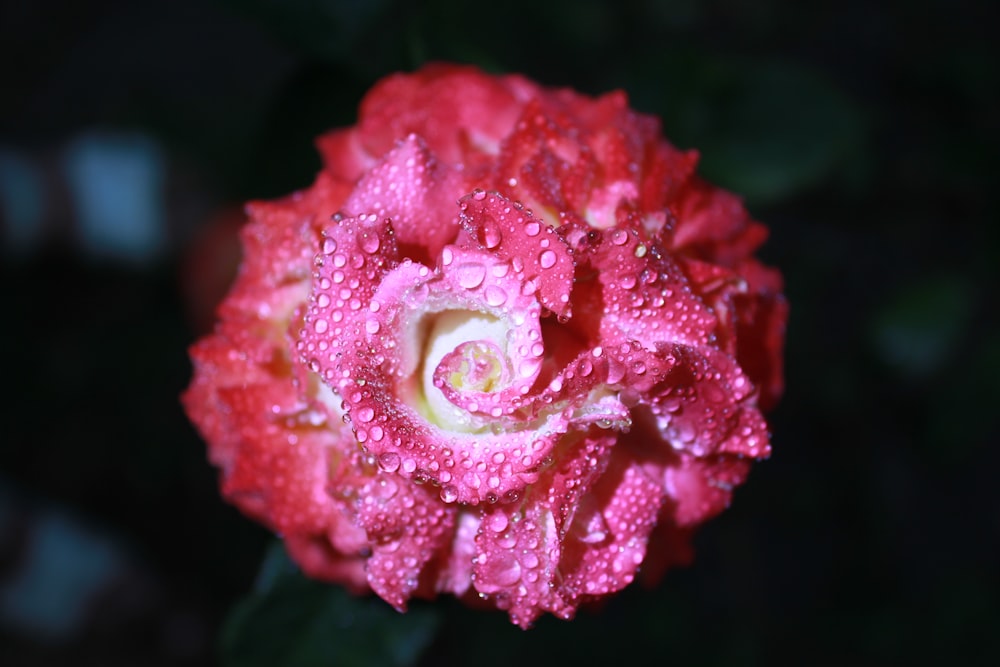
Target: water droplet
619	237
495	296
329	246
500	570
365	415
449	493
479	194
471	274
491	235
372	326
321	326
527	368
547	259
532	228
471	479
386	487
498	522
389	461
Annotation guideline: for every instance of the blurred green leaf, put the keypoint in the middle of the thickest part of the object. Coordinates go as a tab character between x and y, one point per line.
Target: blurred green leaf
293	621
766	129
920	329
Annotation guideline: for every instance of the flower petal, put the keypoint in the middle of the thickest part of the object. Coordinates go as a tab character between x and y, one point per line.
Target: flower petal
408	526
538	256
519	545
414	190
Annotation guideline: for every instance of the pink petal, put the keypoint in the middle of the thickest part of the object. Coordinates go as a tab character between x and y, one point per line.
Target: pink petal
706	406
520	545
538	256
455	573
355	254
414	190
407	526
459	111
713	225
605	554
701	488
645	296
320	560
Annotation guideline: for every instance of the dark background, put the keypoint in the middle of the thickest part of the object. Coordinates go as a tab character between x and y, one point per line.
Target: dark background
864	134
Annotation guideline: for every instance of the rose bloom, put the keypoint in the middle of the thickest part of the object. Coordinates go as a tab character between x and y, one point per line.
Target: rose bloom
507	346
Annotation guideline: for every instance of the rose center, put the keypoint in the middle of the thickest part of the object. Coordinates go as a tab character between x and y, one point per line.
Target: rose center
475	366
471	347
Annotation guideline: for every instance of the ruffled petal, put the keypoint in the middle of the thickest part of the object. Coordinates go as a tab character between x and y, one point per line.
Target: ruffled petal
416	192
407	526
538	256
520	545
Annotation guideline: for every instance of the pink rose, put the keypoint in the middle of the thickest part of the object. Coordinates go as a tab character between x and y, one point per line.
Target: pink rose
507	346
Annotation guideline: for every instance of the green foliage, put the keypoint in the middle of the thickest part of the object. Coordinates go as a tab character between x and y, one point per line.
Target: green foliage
768	130
921	328
293	621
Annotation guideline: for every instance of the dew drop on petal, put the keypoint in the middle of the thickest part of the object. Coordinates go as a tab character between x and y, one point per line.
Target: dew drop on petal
502	570
498	522
495	296
389	461
386	488
471	274
491	235
547	259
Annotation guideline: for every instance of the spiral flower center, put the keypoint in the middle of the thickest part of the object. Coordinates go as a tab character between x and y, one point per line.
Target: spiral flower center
475	366
470	348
